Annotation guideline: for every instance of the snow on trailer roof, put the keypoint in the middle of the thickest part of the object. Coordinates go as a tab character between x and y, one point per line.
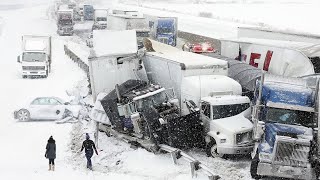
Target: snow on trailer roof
186	59
309	49
108	43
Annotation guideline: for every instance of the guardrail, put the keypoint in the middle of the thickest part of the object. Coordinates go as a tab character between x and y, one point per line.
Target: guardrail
195	165
80	62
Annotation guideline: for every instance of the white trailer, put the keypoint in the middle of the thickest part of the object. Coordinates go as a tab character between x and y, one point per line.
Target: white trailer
266	33
113	63
285	58
201	81
124	22
36	55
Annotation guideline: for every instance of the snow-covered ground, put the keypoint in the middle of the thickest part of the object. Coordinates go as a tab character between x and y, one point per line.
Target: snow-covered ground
23	143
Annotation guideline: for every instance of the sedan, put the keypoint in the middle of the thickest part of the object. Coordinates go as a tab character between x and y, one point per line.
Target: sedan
198	47
46	108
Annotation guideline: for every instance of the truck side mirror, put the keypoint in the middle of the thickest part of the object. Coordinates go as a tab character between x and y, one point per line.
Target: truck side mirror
18	59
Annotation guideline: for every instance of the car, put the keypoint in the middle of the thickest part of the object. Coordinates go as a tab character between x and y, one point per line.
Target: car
46	108
89	40
204	47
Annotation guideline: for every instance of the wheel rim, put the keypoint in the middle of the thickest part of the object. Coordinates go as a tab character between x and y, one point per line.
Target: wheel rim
23	115
214	151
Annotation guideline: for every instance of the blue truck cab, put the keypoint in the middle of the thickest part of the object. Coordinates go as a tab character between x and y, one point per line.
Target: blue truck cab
88	12
284	118
163	29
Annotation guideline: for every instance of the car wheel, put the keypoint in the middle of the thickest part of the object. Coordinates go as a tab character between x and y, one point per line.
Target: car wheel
254	167
212	149
23	115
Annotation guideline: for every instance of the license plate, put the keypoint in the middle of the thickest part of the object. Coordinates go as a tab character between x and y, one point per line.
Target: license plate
34	72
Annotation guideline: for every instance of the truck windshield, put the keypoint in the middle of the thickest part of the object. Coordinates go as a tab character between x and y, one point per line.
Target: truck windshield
154	100
287	116
34	57
65	21
164	30
101	19
224	111
142	34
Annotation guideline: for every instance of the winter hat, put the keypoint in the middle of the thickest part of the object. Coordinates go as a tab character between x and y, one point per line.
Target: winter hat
87	136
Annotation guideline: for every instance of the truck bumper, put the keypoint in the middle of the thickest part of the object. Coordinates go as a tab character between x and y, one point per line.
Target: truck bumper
61	32
267	169
34	73
235	149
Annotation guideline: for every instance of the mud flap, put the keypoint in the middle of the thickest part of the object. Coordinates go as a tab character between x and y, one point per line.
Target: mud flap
186	132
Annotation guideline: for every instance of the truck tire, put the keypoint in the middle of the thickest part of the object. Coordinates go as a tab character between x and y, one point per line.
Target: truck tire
23	115
254	167
212	150
24	76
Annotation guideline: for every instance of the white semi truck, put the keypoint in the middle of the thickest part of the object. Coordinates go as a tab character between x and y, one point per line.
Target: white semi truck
100	19
35	59
201	82
126	22
65	22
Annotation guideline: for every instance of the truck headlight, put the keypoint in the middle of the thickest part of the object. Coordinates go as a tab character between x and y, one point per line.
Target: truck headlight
223	140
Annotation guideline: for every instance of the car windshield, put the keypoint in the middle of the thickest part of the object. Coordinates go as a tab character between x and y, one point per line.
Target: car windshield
164	30
287	116
224	111
101	19
33	57
154	100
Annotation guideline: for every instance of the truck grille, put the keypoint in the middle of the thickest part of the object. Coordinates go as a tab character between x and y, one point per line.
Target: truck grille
243	138
164	40
292	154
33	67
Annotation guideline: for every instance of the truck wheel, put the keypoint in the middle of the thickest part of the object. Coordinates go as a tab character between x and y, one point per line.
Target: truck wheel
212	149
24	76
23	115
254	167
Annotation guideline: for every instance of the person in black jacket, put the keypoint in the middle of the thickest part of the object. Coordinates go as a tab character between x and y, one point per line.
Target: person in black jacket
89	145
51	152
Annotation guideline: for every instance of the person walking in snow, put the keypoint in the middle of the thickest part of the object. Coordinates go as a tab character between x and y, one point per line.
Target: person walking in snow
89	145
51	152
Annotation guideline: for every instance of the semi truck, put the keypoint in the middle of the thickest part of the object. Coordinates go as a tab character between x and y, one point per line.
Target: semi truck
35	59
126	22
278	57
88	12
163	29
65	22
202	82
285	117
100	19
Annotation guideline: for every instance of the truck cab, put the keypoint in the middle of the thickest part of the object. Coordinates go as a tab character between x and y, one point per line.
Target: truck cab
65	22
36	56
283	115
226	124
164	29
100	19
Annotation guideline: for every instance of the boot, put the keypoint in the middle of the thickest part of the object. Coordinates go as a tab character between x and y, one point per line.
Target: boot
52	167
49	167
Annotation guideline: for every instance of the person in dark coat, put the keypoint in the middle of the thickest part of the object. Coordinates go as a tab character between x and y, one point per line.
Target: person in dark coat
51	152
88	146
